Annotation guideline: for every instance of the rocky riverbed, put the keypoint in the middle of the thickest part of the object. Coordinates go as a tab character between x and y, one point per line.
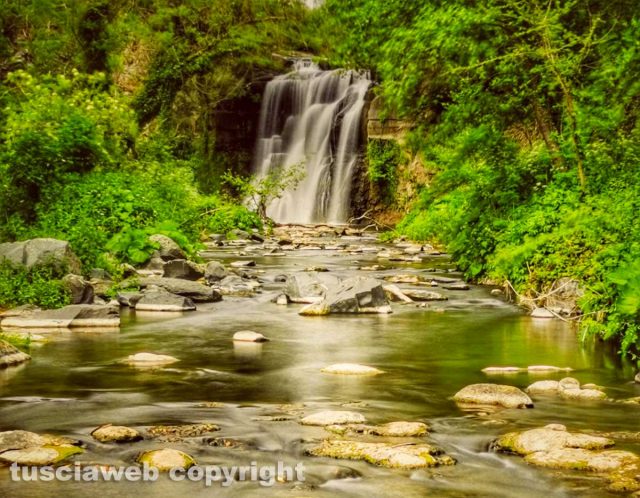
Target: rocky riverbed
374	364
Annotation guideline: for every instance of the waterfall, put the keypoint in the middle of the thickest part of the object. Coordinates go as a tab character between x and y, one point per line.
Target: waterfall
311	119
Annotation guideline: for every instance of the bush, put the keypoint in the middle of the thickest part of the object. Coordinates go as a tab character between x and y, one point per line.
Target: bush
39	285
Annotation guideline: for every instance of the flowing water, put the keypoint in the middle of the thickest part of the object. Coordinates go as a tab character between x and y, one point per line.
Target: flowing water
310	121
76	381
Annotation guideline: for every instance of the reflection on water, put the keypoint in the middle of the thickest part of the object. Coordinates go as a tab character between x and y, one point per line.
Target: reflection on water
77	381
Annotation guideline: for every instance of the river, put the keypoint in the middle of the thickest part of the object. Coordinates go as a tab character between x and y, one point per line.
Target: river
76	381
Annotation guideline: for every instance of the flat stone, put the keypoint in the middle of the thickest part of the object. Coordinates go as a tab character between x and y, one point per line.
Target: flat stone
249	336
166	459
424	295
585	460
331	417
457	286
39	456
351	369
115	434
391	429
243	264
404	279
502	370
150	359
394	293
383	454
75	315
493	394
17	440
546	439
547	368
308	287
164	301
583	394
195	291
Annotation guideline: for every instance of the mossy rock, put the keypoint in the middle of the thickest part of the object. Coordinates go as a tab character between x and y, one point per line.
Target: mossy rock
41	455
166	459
548	438
384	454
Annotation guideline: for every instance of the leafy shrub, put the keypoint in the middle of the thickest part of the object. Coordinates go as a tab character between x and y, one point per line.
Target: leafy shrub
383	159
39	285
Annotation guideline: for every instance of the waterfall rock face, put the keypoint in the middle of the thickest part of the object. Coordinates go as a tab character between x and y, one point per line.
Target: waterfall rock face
311	119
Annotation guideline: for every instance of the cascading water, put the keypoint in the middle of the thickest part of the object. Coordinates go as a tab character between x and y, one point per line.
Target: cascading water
311	119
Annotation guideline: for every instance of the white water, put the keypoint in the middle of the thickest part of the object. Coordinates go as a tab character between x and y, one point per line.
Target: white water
311	119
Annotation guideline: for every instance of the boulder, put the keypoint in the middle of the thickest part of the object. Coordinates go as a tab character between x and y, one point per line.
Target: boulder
493	394
542	313
384	454
214	272
350	369
129	298
10	355
149	360
182	268
75	315
353	295
81	291
41	251
237	233
101	288
568	383
308	287
194	290
333	417
394	293
162	300
583	394
115	434
249	336
166	459
544	387
168	249
424	295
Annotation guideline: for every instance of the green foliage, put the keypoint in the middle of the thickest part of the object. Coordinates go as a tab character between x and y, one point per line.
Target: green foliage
228	216
38	285
383	159
20	341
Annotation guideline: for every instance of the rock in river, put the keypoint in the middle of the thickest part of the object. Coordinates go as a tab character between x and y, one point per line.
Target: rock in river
182	268
75	315
249	336
308	287
162	300
43	455
384	454
424	295
391	429
168	249
193	290
493	394
10	355
115	434
166	459
150	360
331	417
351	369
353	295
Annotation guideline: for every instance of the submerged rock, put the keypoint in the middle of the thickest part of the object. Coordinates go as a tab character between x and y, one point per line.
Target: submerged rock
331	417
391	429
166	459
249	336
243	264
568	388
493	394
115	434
173	433
11	355
548	438
150	360
351	369
384	454
544	387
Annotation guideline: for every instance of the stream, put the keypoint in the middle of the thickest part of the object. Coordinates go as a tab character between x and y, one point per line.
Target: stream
77	381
